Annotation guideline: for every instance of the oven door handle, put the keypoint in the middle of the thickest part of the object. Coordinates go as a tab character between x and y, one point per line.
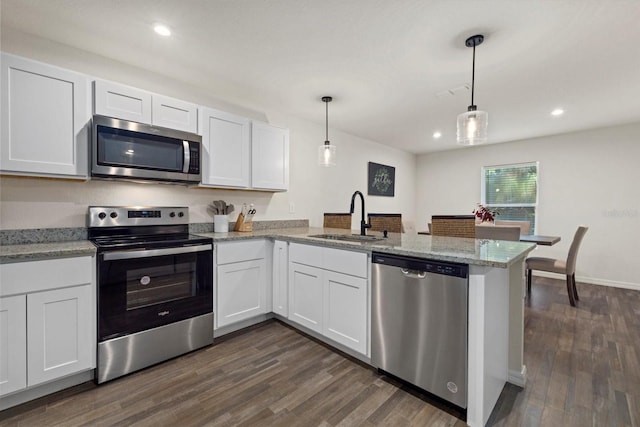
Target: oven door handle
147	253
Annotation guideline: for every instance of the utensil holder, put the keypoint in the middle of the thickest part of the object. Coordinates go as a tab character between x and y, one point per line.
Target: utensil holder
220	224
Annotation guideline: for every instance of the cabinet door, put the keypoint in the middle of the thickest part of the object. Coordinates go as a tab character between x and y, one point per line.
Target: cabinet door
241	291
61	333
13	344
226	141
174	113
121	102
269	157
345	310
45	119
305	296
280	278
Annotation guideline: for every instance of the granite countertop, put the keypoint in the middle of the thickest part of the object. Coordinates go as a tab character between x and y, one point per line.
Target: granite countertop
39	251
490	253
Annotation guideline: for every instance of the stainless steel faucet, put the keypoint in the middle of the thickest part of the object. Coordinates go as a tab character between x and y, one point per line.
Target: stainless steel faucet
363	224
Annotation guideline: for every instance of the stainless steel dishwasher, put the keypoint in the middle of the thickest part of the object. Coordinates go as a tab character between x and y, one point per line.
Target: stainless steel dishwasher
419	323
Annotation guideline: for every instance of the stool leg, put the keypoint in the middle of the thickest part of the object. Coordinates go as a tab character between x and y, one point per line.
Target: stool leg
575	290
572	299
528	282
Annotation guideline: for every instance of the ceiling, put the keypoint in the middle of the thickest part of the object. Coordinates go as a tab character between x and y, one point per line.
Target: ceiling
398	70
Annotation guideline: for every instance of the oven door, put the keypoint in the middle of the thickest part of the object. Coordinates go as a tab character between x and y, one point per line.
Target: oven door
144	289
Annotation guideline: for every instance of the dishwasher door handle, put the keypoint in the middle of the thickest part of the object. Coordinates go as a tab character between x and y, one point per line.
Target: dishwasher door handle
414	274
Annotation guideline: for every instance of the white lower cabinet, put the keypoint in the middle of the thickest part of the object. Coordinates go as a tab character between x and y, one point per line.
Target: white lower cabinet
59	338
281	278
305	296
329	293
47	321
345	310
241	291
241	281
13	344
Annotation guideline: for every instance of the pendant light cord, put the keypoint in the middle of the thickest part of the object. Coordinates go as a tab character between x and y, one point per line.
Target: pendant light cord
473	73
326	103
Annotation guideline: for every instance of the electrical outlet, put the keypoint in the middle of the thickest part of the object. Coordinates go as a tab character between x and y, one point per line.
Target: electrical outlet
292	207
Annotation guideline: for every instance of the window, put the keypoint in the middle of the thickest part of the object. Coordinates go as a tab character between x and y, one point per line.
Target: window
512	190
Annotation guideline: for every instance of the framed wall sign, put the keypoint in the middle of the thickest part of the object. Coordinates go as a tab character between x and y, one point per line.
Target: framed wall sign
382	180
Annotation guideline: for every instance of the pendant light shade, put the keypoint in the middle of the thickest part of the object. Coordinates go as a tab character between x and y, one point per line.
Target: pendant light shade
472	124
327	152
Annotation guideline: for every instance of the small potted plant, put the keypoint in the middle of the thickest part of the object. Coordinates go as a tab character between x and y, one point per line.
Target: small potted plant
485	214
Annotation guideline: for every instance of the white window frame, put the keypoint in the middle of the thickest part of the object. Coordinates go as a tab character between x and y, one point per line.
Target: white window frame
483	188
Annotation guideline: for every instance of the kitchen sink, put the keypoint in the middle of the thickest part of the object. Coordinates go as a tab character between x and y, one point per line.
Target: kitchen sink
348	237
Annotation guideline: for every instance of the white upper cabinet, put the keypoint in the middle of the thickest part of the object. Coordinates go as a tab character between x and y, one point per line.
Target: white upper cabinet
174	113
226	141
128	103
240	153
122	102
45	119
269	157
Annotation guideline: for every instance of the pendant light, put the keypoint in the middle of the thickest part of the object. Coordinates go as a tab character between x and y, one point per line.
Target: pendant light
327	152
472	124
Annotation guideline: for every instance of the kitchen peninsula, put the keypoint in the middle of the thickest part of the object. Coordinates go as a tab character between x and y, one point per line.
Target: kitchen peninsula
495	301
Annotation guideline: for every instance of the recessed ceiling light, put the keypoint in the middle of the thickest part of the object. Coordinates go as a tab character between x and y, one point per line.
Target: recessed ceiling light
557	112
437	135
163	30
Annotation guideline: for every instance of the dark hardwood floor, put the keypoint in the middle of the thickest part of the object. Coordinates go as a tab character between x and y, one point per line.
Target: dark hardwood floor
583	362
583	370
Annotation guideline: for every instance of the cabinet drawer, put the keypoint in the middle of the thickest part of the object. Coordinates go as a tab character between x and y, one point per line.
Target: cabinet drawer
229	252
34	276
306	254
347	262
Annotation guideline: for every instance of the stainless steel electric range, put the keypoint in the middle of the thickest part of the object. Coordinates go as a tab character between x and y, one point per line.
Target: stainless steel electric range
155	287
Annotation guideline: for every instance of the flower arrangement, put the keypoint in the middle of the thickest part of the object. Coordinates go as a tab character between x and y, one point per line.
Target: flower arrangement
485	214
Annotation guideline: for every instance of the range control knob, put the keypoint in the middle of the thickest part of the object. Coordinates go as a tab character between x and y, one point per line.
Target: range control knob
172	214
181	214
102	215
113	215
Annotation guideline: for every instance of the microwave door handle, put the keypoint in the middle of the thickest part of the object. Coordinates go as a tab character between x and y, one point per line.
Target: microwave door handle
112	256
187	156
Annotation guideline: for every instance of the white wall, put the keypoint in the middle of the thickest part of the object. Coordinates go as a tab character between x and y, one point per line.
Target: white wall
589	178
35	203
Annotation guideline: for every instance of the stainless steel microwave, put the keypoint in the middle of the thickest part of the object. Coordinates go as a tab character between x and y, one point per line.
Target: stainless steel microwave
135	151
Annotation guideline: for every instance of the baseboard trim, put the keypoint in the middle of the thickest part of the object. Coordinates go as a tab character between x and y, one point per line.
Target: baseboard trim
591	280
518	378
43	390
234	327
